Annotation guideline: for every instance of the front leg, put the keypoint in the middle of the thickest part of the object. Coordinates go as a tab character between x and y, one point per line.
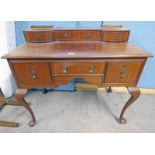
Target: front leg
20	93
135	93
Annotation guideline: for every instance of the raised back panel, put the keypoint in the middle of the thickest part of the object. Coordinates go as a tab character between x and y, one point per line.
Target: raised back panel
43	34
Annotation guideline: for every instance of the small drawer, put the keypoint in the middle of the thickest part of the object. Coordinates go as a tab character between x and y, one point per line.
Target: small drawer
37	36
115	36
77	35
124	71
78	68
62	35
32	73
86	35
97	80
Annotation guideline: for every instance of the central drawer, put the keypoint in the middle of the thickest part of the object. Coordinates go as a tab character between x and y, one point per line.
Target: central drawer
80	35
78	68
97	80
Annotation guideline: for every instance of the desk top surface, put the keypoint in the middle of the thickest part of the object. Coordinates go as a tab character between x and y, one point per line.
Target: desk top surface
76	50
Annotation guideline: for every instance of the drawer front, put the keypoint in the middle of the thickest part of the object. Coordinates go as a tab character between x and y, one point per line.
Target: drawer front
88	35
77	35
32	73
115	36
78	68
123	71
97	80
37	36
64	35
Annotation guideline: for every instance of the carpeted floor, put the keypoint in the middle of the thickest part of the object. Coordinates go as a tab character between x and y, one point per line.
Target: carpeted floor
82	112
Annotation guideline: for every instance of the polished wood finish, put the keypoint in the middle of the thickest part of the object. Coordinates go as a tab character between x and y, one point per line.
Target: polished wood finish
74	35
97	80
98	56
116	36
78	68
76	50
123	71
105	33
32	73
38	36
135	93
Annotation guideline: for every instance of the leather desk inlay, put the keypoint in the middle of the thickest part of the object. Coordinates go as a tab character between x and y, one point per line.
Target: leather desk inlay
55	56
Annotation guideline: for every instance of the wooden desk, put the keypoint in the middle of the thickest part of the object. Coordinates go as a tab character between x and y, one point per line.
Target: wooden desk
53	56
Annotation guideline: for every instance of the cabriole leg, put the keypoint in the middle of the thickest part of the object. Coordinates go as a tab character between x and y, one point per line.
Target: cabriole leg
135	93
20	93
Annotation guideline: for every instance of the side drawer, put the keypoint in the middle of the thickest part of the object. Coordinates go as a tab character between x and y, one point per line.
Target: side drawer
124	71
32	73
37	36
78	68
116	36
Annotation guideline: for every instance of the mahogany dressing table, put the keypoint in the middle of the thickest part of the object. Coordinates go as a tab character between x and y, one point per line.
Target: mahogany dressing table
54	56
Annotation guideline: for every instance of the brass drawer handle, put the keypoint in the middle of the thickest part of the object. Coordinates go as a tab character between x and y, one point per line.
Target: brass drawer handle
91	68
116	35
122	74
88	34
65	35
33	74
65	68
37	36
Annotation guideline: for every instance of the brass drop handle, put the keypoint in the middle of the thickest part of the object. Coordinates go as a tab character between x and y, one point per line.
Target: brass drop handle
117	35
65	68
91	68
122	73
33	74
37	36
65	35
88	34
